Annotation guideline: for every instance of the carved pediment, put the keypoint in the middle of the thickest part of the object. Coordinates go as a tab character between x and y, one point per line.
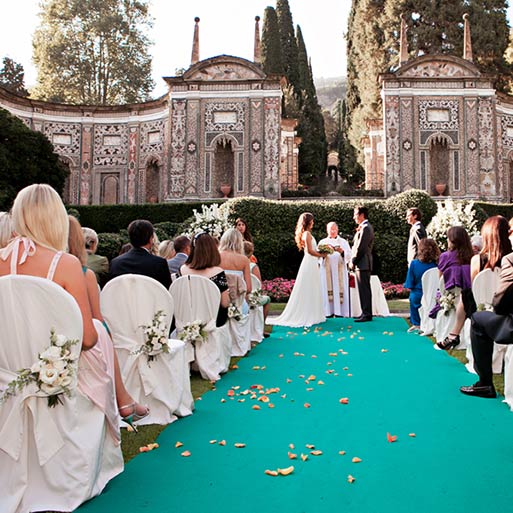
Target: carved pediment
439	66
224	68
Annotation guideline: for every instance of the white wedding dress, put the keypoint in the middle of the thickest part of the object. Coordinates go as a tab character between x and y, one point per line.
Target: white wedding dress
305	305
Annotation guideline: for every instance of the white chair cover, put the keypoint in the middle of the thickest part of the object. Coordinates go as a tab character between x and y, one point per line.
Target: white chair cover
239	329
127	303
483	288
379	302
197	299
444	323
430	282
508	377
256	315
50	458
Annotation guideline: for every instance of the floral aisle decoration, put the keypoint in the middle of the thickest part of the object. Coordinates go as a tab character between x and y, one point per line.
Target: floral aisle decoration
234	312
447	302
452	213
325	249
54	372
156	337
193	332
257	298
212	219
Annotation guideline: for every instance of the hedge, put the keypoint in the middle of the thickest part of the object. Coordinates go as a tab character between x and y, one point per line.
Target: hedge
113	218
272	225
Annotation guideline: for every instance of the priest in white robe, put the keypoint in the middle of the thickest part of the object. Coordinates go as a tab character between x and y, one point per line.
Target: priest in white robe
334	275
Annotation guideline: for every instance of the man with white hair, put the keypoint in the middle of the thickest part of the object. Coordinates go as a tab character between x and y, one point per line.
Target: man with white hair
97	263
334	275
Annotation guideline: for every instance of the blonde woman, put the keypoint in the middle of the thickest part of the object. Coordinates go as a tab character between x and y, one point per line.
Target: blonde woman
6	230
231	249
305	305
167	249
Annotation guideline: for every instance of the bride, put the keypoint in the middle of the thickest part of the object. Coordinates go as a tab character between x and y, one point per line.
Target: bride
305	306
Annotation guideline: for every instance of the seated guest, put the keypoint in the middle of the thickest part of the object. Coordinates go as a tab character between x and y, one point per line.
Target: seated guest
231	249
253	267
125	248
490	327
204	260
243	228
6	230
182	246
128	409
167	249
454	266
97	263
139	259
477	243
427	257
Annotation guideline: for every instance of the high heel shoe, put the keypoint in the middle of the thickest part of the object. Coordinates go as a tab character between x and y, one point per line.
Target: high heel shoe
133	416
449	342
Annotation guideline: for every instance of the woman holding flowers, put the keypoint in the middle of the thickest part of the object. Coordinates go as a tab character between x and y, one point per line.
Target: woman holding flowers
305	306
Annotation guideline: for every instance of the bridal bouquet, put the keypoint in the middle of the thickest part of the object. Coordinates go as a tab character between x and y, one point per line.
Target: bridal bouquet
447	302
256	298
53	373
193	332
234	312
325	249
156	335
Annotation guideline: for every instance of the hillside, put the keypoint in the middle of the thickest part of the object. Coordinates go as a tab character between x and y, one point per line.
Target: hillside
329	90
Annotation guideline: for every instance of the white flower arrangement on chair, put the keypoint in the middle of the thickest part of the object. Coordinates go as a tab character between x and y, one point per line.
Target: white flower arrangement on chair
447	302
193	332
484	307
156	335
257	298
53	373
234	312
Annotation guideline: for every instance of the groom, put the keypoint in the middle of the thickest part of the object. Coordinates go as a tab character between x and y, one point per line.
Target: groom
362	261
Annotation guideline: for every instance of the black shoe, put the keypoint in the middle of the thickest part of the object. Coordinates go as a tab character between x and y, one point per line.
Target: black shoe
363	319
478	390
449	343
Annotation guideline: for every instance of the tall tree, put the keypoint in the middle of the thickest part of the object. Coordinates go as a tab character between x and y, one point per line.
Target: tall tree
272	62
93	51
289	50
12	77
26	157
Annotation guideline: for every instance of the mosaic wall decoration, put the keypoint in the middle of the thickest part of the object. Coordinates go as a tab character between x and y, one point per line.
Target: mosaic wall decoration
486	146
392	143
177	156
152	138
225	116
192	170
407	172
65	138
471	175
272	110
438	115
255	159
110	145
437	69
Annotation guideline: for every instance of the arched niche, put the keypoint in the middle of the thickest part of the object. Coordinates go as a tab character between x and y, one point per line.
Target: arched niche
152	181
110	190
439	164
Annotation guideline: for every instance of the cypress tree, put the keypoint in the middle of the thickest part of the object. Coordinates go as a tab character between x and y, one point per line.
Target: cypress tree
289	50
271	45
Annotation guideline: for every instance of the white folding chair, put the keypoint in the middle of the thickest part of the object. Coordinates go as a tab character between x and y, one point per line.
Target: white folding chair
379	302
239	328
50	458
129	302
256	315
430	282
197	299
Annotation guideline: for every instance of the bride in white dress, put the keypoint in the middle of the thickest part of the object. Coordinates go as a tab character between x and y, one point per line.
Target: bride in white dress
305	305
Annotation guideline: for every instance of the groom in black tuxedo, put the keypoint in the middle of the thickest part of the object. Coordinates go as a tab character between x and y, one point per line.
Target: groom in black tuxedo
362	261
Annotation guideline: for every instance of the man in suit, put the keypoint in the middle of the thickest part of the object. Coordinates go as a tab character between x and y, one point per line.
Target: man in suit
417	232
490	327
182	245
139	259
362	261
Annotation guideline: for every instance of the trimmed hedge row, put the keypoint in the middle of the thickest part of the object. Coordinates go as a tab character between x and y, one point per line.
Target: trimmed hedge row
272	224
113	218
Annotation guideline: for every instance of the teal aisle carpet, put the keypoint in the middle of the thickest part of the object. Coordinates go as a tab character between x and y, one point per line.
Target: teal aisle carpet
460	459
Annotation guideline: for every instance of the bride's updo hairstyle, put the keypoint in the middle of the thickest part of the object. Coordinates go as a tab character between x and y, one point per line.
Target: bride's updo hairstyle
302	224
39	214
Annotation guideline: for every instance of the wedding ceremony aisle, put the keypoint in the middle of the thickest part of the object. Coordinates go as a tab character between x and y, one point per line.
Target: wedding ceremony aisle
370	418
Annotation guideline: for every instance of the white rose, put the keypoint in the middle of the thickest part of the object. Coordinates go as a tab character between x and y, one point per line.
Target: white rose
60	340
66	381
59	365
48	375
49	389
36	367
157	347
51	354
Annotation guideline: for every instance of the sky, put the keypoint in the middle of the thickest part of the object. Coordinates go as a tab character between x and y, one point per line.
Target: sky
226	27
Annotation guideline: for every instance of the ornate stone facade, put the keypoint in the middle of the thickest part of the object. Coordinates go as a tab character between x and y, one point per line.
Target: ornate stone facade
220	124
443	123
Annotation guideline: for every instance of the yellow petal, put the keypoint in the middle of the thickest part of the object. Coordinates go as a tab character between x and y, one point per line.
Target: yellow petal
292	456
304	457
291	446
240	446
213	441
413	435
310	446
320	382
186	454
350	479
222	442
342	453
316	453
356	460
271	405
311	378
256	407
271	472
178	444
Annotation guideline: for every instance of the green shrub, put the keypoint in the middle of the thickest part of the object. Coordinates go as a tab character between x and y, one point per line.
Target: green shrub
167	230
109	244
495	209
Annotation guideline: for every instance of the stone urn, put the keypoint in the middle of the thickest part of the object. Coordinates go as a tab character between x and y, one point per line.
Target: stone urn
225	190
440	188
